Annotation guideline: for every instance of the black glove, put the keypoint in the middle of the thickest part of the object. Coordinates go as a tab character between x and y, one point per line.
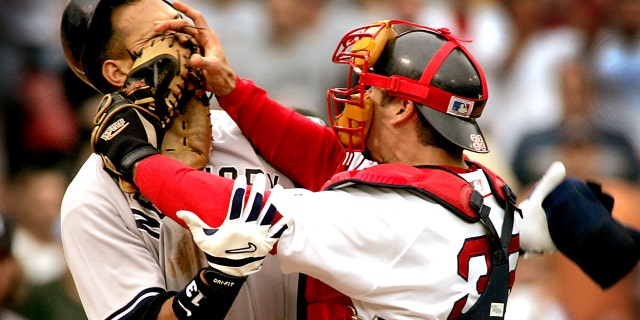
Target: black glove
124	133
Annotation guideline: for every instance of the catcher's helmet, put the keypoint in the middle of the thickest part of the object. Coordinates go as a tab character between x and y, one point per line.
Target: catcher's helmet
82	22
427	66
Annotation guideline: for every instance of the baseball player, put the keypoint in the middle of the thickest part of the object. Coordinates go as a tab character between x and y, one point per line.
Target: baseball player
575	210
127	259
497	310
425	234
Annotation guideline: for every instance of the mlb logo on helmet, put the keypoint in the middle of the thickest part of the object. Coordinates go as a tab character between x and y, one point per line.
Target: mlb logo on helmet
460	107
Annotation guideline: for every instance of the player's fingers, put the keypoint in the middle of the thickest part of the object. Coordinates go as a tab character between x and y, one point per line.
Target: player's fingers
269	210
181	25
211	65
221	79
237	197
201	30
549	181
195	15
254	204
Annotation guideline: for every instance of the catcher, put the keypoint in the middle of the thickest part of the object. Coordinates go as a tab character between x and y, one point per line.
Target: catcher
175	174
128	261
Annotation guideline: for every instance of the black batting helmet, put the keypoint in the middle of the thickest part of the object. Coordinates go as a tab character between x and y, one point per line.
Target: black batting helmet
84	30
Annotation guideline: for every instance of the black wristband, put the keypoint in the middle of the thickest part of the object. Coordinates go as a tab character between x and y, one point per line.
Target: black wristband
211	300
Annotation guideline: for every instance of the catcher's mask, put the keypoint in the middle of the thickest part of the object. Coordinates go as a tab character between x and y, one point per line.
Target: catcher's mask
81	21
427	66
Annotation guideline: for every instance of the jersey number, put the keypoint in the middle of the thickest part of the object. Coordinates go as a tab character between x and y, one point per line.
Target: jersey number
478	247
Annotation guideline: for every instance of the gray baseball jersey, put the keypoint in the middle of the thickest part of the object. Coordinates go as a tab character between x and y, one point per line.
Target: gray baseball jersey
121	250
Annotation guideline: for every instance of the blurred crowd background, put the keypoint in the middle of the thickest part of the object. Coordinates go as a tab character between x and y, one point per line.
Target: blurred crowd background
563	75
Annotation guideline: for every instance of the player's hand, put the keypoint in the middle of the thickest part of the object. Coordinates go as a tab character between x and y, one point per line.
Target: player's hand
220	77
238	247
534	231
123	134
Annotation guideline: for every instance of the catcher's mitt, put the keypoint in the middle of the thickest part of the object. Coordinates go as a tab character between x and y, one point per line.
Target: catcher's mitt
161	84
160	72
188	138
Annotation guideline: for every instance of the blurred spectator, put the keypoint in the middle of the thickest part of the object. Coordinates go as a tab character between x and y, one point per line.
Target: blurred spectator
588	152
10	271
588	149
238	24
616	65
35	195
57	300
35	106
290	54
521	72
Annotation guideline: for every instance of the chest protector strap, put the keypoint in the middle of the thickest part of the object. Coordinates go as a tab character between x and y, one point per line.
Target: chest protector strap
448	189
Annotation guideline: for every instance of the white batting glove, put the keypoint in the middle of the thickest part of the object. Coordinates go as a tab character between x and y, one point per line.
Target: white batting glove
238	247
534	232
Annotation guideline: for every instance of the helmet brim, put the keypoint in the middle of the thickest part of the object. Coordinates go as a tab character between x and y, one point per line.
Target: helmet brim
463	132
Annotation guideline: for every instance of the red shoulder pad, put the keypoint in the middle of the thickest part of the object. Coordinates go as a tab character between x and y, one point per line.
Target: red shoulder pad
437	183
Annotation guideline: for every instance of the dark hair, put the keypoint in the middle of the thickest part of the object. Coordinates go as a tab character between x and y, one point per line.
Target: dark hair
103	43
427	134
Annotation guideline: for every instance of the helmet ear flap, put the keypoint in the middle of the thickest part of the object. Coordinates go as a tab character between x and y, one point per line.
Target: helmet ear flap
372	47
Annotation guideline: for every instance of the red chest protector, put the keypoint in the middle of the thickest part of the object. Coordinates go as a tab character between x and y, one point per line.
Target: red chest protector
437	183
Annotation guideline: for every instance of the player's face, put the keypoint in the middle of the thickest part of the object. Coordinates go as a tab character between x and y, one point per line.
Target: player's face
136	22
379	140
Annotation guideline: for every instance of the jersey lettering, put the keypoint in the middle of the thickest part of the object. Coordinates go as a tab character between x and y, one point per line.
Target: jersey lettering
250	173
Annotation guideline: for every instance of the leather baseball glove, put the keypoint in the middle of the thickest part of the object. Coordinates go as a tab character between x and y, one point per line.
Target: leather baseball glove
163	104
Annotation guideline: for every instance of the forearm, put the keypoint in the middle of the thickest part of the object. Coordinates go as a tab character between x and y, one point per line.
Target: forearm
173	186
583	229
166	312
306	152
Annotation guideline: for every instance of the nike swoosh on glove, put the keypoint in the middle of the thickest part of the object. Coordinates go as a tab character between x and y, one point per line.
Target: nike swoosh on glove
239	246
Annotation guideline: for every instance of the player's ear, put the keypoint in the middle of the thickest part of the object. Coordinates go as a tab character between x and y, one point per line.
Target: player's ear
403	110
116	71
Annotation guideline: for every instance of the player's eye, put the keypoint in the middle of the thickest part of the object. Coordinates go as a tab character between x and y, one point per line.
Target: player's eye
134	54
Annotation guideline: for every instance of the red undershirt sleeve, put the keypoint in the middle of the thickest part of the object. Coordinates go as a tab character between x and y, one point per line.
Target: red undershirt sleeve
305	151
173	186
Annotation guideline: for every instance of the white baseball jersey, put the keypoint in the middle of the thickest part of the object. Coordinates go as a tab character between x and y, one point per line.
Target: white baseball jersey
122	251
395	254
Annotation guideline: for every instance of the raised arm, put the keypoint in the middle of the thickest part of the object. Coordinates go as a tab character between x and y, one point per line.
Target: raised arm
306	152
